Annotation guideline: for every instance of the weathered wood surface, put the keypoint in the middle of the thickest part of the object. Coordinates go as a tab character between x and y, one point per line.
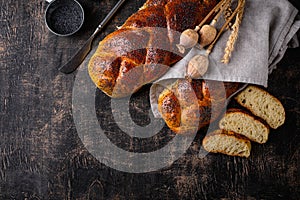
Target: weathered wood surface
42	157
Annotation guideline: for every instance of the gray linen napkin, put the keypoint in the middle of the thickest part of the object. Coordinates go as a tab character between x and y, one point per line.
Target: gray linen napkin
268	28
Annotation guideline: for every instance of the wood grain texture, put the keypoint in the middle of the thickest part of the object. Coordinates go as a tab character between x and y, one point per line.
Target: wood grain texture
42	157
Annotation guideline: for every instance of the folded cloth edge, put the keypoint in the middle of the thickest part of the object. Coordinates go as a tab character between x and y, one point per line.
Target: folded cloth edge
288	32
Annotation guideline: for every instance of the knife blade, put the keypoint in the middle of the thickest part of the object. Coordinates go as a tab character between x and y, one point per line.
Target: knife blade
80	55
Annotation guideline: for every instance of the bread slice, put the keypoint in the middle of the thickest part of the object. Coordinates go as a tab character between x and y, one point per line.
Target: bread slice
245	124
227	142
263	105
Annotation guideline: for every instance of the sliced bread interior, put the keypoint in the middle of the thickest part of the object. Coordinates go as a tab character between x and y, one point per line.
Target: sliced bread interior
245	124
227	142
263	105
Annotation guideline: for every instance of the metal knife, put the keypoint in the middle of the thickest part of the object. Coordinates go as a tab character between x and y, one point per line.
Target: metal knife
80	55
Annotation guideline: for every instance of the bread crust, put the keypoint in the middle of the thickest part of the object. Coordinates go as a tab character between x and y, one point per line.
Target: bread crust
257	130
263	105
225	142
247	112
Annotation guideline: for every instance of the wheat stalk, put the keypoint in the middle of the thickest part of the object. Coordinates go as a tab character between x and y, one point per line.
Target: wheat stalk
234	34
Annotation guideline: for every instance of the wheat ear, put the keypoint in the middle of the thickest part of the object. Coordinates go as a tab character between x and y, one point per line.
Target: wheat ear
234	34
227	13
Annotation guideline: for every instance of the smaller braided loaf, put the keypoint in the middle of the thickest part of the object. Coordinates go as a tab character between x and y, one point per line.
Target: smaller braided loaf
188	106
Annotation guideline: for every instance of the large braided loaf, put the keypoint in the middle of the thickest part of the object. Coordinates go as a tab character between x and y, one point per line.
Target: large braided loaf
132	56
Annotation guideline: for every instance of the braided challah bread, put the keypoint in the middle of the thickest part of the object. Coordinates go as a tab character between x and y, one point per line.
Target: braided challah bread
186	106
143	49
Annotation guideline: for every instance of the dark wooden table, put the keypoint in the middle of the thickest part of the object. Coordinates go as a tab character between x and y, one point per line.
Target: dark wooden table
42	157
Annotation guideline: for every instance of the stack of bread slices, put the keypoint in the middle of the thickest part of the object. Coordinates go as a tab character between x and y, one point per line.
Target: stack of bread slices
238	127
